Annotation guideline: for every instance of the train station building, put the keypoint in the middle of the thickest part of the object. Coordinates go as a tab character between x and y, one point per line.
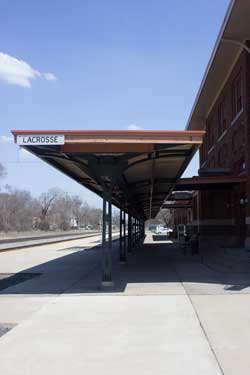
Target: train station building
221	193
140	171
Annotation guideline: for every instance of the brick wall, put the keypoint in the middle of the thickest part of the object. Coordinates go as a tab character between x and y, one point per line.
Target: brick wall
226	145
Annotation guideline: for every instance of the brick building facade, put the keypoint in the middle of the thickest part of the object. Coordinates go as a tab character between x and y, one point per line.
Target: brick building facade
222	214
222	108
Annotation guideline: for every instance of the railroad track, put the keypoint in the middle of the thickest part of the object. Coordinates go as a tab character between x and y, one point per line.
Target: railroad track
16	243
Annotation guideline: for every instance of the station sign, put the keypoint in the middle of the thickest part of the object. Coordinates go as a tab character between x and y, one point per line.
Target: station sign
40	139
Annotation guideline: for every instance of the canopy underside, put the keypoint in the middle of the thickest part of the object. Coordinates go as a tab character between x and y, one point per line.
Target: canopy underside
139	169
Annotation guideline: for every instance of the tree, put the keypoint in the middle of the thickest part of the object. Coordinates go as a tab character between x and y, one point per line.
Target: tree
116	218
84	214
94	217
76	208
17	209
45	201
61	211
3	172
165	215
55	209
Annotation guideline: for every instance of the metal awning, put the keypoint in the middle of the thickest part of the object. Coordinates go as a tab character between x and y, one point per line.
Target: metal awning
213	183
139	168
175	205
179	199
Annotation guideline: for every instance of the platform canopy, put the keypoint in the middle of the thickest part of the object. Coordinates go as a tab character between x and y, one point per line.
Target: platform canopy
138	169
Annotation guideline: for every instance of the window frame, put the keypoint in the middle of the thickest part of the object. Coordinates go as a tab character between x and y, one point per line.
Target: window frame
222	122
237	95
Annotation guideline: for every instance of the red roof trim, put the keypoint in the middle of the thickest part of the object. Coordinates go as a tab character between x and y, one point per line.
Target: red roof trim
107	132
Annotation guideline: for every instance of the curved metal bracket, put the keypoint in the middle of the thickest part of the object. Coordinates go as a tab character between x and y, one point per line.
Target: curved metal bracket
237	43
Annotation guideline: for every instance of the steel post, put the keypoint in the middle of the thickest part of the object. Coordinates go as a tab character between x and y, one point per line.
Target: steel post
107	245
134	234
123	257
130	233
120	239
124	236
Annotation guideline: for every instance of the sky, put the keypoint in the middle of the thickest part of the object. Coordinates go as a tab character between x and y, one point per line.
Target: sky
94	64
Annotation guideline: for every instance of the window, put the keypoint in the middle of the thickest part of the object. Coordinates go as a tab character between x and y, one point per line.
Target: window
221	118
237	104
223	156
210	133
242	165
220	158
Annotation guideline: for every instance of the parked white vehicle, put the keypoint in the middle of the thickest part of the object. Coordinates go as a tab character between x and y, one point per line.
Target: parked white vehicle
160	229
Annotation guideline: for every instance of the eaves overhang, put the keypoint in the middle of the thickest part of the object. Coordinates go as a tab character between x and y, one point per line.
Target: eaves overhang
235	31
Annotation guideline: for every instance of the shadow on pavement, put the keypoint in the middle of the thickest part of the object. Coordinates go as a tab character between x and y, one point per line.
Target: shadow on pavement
160	237
153	264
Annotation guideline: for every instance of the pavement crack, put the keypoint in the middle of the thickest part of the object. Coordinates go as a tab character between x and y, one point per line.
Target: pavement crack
200	323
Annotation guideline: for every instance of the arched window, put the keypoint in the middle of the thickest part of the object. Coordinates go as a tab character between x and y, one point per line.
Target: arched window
222	123
237	102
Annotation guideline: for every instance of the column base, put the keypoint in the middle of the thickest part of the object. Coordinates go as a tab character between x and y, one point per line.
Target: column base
123	262
107	283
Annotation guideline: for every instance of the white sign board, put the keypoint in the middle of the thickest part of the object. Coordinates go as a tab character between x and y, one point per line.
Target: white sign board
40	139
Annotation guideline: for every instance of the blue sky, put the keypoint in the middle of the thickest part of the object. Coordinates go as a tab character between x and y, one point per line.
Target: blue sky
111	64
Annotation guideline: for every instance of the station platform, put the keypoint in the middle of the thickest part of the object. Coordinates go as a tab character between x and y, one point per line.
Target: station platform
165	313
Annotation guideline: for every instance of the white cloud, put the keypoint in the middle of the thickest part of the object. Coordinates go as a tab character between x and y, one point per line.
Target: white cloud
6	139
18	72
50	76
135	127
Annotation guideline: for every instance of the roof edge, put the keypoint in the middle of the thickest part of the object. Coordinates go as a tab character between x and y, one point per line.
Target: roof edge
106	132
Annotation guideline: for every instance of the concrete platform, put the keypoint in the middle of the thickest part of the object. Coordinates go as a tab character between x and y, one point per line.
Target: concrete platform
166	314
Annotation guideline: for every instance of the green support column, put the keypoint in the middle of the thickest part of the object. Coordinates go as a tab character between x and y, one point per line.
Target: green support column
120	239
107	172
136	232
142	231
107	245
133	233
130	234
123	252
124	235
110	242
